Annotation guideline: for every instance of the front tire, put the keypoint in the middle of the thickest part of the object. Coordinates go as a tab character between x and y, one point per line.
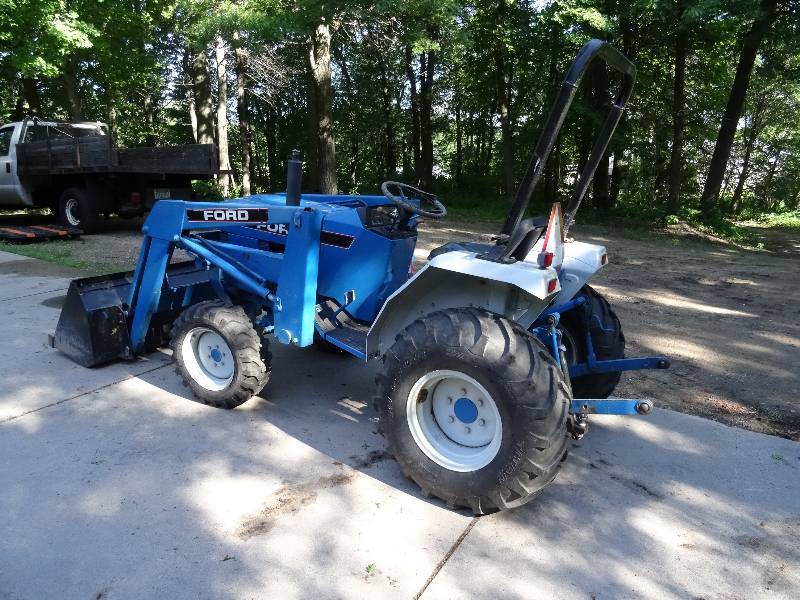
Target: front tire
219	354
501	441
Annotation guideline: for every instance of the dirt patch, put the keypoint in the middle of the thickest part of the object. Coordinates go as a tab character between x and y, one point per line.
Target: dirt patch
287	500
725	316
372	457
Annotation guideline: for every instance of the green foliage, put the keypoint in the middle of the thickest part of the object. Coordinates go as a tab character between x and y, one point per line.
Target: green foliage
128	64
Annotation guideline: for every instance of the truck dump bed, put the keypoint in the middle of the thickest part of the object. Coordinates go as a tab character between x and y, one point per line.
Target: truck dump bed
98	154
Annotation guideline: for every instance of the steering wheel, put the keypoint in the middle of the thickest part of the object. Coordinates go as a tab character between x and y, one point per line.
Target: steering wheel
404	192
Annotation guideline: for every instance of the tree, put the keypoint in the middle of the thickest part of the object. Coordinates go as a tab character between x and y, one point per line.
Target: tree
678	108
765	17
321	98
222	114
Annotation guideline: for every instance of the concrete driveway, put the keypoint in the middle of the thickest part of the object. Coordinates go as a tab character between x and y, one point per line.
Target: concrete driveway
115	484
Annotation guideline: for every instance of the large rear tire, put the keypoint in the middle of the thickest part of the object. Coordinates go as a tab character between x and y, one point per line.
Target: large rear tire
474	409
608	343
219	354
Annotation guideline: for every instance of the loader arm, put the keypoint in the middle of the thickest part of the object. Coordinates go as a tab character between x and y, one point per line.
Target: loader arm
290	292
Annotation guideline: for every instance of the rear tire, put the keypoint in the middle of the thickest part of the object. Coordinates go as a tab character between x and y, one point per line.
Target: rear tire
219	354
76	208
505	377
608	343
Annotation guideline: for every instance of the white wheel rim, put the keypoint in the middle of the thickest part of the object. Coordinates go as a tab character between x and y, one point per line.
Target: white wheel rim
71	212
454	420
208	358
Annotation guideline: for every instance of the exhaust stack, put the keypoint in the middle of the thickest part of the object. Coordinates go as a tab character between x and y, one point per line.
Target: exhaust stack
294	178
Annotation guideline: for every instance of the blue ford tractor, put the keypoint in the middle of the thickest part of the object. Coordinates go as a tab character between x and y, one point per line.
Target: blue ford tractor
492	354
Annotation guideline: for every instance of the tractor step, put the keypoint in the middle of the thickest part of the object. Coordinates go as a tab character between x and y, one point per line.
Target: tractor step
351	339
27	234
337	328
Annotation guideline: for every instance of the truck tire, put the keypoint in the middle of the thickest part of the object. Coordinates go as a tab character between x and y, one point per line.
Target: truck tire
608	343
219	354
76	208
474	409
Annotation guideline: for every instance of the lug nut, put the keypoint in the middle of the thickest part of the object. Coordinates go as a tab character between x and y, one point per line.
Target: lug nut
467	430
480	402
450	399
482	422
451	419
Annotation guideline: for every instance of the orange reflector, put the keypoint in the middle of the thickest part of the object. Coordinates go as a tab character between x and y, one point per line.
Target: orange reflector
551	286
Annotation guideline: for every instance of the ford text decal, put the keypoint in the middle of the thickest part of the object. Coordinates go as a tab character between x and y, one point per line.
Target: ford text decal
228	215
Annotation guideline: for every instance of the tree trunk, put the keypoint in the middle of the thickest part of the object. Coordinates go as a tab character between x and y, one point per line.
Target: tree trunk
201	89
188	90
459	147
149	119
222	116
31	95
390	157
767	13
70	79
272	144
489	144
243	112
415	125
755	129
504	109
427	67
19	108
601	194
678	112
319	55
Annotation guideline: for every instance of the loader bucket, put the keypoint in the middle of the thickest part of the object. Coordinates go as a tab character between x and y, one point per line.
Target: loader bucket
93	327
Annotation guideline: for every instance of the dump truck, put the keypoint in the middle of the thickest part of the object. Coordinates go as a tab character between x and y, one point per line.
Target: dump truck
78	171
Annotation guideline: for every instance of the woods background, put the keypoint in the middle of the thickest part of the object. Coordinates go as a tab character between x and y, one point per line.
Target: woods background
445	93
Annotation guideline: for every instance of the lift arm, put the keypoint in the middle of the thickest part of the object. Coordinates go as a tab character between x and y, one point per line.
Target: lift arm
292	274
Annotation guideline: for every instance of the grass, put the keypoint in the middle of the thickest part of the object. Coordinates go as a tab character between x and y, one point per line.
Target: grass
628	222
60	252
786	220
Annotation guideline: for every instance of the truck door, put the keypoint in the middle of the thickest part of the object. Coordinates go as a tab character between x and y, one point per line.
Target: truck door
9	195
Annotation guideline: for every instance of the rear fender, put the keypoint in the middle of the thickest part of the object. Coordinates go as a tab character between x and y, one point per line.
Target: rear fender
517	291
581	262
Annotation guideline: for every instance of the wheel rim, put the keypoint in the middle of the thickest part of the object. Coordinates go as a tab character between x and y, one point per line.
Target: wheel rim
208	358
71	212
454	420
571	349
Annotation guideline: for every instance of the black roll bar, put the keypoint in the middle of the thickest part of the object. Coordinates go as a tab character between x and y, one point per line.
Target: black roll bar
591	50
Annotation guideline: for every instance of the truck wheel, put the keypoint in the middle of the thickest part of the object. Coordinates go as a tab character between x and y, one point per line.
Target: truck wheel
608	343
77	209
219	355
474	409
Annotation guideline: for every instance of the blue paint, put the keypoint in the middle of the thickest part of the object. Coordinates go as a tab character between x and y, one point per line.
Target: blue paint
465	410
216	355
621	364
605	407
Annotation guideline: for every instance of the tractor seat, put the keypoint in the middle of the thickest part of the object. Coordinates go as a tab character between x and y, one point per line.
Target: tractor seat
462	246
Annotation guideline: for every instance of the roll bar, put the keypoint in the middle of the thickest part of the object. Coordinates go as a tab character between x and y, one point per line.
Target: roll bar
591	51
